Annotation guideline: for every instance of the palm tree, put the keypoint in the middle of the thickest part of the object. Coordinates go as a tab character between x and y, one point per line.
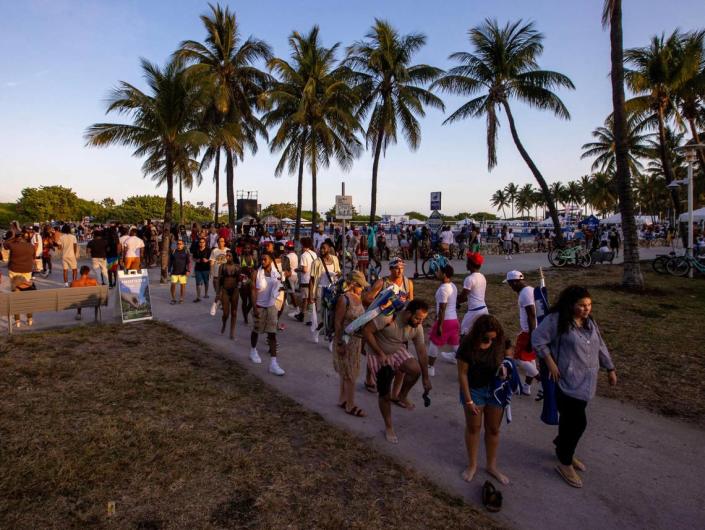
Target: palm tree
512	190
164	129
504	66
603	147
539	201
691	95
525	199
236	84
604	196
659	72
573	193
500	201
557	191
392	90
587	191
313	105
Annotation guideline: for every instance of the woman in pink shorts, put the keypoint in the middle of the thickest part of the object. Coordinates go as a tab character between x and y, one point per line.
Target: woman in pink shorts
445	332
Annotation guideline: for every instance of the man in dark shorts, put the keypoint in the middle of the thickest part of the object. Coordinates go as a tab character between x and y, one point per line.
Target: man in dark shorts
387	337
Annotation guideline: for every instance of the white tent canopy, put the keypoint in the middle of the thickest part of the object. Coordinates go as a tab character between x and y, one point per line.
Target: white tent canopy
287	220
698	215
616	219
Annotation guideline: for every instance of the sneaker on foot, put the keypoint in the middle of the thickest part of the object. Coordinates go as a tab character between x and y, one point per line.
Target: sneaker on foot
254	356
66	284
275	369
525	389
449	356
299	317
431	371
196	300
293	314
315	338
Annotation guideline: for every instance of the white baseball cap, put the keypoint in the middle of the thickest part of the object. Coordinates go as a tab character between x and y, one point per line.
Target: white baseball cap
513	275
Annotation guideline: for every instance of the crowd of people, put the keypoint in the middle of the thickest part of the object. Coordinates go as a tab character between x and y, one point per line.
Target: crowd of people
264	273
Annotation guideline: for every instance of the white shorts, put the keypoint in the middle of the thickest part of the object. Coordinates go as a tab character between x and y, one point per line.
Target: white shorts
470	317
528	367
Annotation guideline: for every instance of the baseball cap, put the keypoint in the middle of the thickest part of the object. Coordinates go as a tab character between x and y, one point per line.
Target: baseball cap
513	275
475	257
396	262
290	244
359	279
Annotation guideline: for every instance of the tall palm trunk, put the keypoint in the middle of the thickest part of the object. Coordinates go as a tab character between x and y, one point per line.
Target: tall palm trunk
300	192
229	186
314	198
375	167
168	214
216	179
181	201
537	174
631	275
666	160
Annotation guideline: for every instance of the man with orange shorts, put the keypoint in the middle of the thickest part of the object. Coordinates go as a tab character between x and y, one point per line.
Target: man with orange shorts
524	355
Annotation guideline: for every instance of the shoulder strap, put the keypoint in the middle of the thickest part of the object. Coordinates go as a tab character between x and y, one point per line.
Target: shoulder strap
323	261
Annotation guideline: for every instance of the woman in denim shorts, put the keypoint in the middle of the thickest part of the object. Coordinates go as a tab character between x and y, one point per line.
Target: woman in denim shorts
479	358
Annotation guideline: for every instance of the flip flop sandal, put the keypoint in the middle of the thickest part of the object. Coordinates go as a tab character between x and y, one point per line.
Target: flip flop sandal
570	480
342	405
491	498
371	388
398	403
357	412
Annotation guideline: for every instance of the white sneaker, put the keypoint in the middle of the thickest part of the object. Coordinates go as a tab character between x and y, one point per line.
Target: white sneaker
315	337
449	356
254	356
66	284
510	258
525	389
292	314
274	368
431	371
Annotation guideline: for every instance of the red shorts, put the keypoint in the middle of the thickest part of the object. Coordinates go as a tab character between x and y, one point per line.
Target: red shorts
522	350
450	333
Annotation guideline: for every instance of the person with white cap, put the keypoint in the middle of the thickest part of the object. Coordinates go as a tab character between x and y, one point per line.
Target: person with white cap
524	356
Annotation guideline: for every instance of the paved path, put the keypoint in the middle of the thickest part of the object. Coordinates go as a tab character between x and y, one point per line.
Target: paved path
645	471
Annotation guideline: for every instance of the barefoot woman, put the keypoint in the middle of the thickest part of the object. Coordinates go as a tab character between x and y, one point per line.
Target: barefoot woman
479	357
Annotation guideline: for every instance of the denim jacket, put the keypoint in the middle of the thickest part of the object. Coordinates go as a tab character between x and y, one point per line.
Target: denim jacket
579	354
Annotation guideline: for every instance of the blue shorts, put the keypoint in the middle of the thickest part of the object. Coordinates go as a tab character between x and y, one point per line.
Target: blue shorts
202	277
482	396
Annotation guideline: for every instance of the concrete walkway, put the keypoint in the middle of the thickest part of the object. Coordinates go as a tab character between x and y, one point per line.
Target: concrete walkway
644	470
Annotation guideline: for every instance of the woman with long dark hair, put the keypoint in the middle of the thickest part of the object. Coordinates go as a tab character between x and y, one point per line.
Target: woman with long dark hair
112	254
570	343
480	356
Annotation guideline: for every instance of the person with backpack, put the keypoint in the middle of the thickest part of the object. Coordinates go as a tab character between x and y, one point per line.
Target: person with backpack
325	272
347	353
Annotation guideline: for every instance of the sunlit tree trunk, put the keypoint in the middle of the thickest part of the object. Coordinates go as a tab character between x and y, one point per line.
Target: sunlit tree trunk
375	167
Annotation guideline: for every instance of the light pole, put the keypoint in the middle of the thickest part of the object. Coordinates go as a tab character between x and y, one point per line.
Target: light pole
691	156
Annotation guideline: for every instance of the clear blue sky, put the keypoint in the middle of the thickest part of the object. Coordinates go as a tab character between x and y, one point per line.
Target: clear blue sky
61	57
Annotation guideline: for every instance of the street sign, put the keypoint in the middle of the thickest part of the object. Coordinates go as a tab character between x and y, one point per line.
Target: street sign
343	207
435	222
435	200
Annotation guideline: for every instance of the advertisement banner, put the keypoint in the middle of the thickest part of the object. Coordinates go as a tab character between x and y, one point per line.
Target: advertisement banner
135	301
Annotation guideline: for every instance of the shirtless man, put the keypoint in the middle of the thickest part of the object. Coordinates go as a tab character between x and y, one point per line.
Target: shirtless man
388	336
84	281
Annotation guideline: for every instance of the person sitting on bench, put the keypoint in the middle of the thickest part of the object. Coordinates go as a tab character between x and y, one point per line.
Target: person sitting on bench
84	280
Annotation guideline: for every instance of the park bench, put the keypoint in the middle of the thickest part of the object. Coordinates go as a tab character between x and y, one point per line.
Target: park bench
22	302
602	257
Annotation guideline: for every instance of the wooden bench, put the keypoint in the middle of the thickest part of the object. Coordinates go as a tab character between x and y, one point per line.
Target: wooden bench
23	302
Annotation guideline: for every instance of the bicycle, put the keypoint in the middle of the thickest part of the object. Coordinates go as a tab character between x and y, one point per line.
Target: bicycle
578	256
681	265
433	264
660	262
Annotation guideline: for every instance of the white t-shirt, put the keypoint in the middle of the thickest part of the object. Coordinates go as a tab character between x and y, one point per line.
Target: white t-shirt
508	236
267	287
123	239
526	298
307	259
217	258
133	247
333	270
318	239
67	242
37	240
447	293
476	283
447	237
293	263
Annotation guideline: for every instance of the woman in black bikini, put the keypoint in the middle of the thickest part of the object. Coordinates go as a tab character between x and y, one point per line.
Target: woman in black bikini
247	266
229	284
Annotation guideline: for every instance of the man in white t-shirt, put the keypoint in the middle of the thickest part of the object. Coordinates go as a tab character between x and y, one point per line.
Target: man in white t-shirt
508	242
474	287
69	253
132	249
290	266
36	240
447	239
524	356
308	256
318	239
445	331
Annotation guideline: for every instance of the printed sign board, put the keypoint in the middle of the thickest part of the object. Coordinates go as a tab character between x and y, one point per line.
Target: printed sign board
435	200
435	222
134	298
343	207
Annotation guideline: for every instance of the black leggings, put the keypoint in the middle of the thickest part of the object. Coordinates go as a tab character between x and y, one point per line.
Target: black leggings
571	426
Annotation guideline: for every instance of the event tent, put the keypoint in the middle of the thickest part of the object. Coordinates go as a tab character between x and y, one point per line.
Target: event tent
616	219
698	215
415	222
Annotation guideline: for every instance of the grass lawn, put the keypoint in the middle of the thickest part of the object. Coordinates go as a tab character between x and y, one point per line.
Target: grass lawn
178	437
655	338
